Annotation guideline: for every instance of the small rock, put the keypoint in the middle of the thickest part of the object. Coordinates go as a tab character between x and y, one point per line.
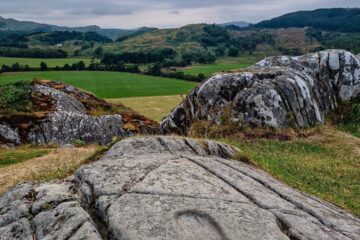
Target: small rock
9	135
67	146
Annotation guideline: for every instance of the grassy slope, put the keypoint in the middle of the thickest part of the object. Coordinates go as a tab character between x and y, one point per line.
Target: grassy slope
110	84
153	107
326	165
35	62
9	157
224	64
57	164
178	38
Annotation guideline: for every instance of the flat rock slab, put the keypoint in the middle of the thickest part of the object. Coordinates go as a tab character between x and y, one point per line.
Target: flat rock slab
170	188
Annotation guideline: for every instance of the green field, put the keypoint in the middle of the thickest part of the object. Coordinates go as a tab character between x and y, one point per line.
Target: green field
224	64
35	62
156	107
109	84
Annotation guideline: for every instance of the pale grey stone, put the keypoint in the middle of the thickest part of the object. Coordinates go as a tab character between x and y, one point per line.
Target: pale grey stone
70	122
278	91
9	135
170	188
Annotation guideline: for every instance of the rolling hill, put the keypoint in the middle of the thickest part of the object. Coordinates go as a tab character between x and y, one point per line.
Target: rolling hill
13	25
334	19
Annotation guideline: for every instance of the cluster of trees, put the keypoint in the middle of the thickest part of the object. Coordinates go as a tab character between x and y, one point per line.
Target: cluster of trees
33	53
157	55
13	40
155	70
335	19
79	66
348	41
219	37
56	37
215	35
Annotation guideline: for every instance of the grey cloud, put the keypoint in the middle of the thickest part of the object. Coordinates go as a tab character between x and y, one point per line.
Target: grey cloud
101	12
142	12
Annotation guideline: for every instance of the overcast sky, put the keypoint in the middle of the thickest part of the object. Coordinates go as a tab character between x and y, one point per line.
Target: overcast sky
156	13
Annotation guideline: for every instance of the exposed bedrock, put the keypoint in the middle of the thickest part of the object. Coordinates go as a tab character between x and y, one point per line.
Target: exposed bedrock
278	91
70	122
64	114
170	188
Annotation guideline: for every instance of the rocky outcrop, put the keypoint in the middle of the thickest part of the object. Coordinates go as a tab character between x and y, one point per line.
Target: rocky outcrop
70	122
8	135
64	114
170	188
279	92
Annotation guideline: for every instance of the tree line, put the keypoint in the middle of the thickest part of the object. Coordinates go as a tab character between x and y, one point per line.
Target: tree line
153	70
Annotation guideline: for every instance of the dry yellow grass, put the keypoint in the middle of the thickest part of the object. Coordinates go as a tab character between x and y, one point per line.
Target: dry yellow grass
152	107
59	163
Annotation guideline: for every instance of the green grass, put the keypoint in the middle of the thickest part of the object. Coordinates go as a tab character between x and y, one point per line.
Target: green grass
10	157
224	64
35	62
109	84
328	167
155	108
353	128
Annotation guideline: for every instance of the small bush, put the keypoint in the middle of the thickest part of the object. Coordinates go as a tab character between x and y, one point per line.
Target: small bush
15	97
79	143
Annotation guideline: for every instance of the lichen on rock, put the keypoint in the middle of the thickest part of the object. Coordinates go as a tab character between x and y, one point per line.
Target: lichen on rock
63	114
280	91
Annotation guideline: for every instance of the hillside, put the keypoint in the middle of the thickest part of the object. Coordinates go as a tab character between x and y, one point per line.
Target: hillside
13	25
335	19
292	34
198	40
239	24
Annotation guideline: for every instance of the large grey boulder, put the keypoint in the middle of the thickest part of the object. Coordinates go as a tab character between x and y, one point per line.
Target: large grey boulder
63	114
170	188
70	122
278	91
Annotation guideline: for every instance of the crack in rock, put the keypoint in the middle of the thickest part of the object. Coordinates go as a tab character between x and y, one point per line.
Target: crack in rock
169	188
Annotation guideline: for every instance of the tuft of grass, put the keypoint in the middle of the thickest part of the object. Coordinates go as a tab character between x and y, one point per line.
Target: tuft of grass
15	97
10	156
347	117
87	155
51	164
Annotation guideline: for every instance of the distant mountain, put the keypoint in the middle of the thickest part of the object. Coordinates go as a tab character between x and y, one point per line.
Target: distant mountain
240	24
334	19
31	27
